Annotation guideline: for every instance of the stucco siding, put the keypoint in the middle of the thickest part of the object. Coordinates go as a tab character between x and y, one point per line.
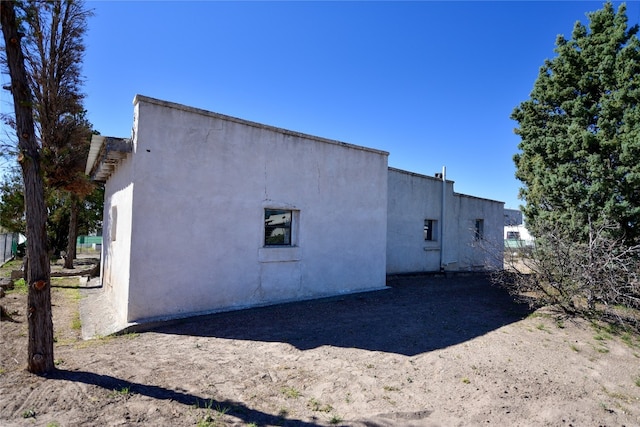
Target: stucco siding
202	184
485	252
414	198
117	232
186	201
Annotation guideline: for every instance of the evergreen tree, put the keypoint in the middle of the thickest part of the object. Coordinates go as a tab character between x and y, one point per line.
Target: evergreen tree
54	52
579	156
59	207
43	55
40	344
12	203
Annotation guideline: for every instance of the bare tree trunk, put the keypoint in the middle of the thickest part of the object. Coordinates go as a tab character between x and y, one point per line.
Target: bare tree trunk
40	348
73	232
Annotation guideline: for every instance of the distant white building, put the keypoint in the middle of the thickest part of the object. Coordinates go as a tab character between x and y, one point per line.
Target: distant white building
516	236
205	212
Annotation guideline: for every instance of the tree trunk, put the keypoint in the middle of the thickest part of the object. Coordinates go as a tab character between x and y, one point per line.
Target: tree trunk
40	348
73	232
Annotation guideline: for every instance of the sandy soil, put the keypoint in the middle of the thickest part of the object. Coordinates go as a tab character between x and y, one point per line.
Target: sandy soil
428	351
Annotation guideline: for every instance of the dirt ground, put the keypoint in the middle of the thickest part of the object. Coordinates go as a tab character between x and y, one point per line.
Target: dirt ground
428	351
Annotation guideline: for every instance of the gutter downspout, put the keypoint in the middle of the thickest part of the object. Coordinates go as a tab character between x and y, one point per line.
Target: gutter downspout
442	216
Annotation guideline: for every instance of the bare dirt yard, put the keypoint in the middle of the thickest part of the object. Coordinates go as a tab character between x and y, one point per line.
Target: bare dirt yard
428	351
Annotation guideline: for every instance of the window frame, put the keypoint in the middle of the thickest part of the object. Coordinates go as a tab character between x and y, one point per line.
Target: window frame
289	228
478	232
513	235
430	232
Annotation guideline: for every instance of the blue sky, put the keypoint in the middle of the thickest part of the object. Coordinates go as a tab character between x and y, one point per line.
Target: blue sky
433	83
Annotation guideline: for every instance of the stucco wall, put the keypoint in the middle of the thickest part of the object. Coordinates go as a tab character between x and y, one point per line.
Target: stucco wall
202	182
484	253
412	199
116	246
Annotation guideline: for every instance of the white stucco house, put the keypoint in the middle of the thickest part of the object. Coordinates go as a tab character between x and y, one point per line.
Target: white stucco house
516	235
206	212
432	228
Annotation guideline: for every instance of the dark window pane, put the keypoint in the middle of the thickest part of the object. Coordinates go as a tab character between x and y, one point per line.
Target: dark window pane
479	232
277	227
513	235
428	229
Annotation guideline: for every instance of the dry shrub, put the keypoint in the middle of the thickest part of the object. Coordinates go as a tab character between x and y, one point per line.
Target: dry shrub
597	278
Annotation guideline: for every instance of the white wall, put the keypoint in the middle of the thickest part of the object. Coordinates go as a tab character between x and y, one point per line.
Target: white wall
116	241
525	239
202	181
190	202
414	198
477	254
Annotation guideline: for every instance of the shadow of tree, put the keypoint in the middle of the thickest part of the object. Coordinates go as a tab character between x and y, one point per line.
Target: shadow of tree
75	287
236	409
414	315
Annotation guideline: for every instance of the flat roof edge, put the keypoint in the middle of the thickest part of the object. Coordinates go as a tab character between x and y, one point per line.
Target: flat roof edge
419	175
468	196
142	98
433	178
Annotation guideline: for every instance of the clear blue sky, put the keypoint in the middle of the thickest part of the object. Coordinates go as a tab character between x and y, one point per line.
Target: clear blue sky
433	83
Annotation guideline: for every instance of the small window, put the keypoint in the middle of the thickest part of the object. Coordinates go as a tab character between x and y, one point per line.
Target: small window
277	227
479	230
114	223
430	227
513	235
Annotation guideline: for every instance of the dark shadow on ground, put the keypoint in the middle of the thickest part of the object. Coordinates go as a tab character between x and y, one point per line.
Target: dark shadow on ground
76	287
414	315
236	409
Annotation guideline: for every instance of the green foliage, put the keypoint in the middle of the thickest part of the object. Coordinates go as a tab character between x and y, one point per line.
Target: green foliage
29	413
20	286
89	217
12	215
579	156
58	204
123	391
335	419
213	416
316	406
76	323
53	49
290	392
